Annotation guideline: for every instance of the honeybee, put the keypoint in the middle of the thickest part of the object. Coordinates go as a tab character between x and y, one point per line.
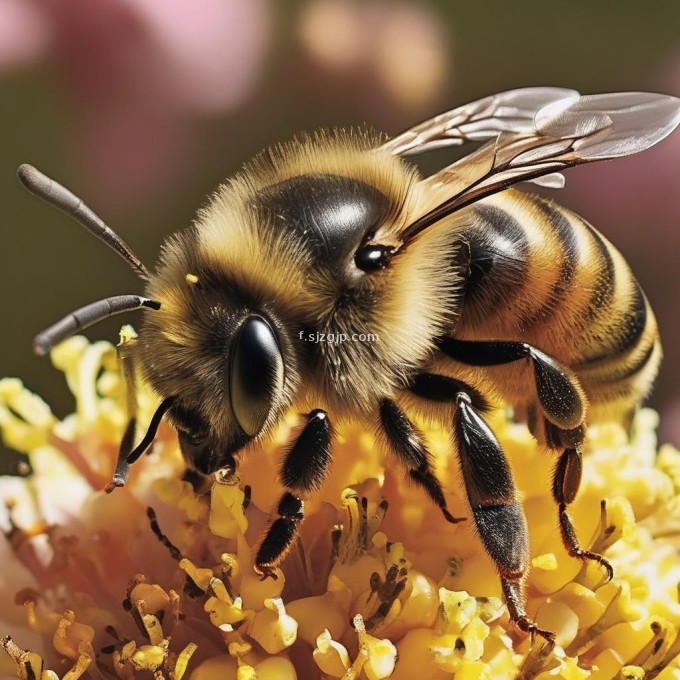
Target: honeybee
479	293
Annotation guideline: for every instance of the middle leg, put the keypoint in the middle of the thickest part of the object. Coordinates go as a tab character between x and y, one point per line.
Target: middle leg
406	441
560	395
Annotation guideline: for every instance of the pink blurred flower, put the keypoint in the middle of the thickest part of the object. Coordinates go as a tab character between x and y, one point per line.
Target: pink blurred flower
400	46
139	73
24	33
670	430
628	193
638	193
635	202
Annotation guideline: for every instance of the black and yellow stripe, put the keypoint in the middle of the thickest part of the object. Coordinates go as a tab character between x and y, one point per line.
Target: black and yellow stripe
541	274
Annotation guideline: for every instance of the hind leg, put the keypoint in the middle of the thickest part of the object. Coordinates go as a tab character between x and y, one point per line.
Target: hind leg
566	482
562	405
491	492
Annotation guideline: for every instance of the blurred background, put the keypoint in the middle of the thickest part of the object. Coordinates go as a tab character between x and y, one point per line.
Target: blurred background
144	106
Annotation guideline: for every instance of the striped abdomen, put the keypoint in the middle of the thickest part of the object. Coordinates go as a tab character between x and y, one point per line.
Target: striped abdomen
541	274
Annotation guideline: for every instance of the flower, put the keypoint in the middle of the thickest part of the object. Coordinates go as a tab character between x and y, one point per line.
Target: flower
398	46
156	578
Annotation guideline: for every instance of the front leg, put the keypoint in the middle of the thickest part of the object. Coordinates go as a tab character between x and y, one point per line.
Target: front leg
304	468
491	493
126	358
127	455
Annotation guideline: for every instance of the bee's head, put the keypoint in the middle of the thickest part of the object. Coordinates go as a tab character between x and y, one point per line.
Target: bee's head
252	375
221	351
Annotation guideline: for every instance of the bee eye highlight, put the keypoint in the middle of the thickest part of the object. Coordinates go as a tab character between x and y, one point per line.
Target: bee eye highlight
255	374
372	257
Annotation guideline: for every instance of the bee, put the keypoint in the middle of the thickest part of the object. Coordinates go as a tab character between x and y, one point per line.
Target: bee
478	292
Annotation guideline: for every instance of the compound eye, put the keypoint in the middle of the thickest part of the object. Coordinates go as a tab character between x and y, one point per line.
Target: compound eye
255	374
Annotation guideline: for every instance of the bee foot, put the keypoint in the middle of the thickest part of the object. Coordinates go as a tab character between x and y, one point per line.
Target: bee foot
526	625
595	557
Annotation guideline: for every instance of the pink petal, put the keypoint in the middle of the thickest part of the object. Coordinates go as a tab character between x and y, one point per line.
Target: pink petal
209	52
24	33
175	56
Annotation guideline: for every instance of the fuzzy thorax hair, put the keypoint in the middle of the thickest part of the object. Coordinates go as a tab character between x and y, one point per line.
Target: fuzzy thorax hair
240	260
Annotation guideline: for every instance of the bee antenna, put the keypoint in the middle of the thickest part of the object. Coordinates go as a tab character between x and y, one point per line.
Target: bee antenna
86	316
60	197
151	431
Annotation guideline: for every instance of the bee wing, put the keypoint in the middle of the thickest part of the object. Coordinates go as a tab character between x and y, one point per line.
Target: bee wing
566	132
512	111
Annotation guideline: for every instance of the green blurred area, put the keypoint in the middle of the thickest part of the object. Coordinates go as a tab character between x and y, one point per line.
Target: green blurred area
49	266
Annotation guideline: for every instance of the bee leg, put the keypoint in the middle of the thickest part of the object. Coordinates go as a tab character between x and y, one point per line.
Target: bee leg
303	471
560	395
492	494
498	514
127	362
280	536
406	441
563	405
566	481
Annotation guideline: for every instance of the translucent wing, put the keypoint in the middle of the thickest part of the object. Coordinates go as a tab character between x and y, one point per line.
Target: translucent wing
512	111
565	132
